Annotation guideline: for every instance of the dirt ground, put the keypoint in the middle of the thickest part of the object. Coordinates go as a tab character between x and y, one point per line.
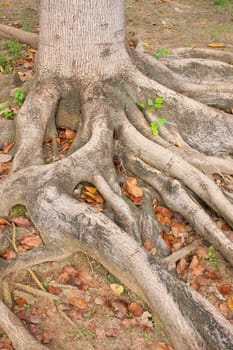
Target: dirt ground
87	310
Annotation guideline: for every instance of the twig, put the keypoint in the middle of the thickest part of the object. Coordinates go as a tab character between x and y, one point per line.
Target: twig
39	284
35	291
64	315
170	260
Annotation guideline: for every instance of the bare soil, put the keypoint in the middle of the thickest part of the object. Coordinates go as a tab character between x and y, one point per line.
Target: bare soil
97	318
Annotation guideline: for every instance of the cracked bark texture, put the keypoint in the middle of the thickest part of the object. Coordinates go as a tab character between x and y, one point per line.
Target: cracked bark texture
88	79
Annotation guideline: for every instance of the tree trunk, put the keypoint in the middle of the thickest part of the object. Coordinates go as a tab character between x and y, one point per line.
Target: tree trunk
82	40
87	78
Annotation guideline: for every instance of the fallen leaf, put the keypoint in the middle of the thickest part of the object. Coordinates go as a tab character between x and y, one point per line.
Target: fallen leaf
213	275
117	288
132	188
119	307
8	254
177	228
4	222
216	45
69	134
129	322
54	290
163	215
230	302
21	221
28	242
148	244
20	302
136	309
8	147
72	271
63	277
79	303
225	289
181	266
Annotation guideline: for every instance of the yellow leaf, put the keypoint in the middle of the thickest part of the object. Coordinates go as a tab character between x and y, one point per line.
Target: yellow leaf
230	302
90	189
117	288
177	143
216	45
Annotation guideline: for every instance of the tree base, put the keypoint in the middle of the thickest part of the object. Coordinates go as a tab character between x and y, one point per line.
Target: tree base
111	125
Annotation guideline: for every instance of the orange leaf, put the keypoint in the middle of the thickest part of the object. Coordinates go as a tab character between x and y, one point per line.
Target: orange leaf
8	147
136	309
148	245
177	228
4	222
69	134
132	188
79	303
163	215
28	242
8	254
20	302
225	289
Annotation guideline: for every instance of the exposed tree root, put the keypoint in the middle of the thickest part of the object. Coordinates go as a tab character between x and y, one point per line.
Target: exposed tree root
109	123
22	36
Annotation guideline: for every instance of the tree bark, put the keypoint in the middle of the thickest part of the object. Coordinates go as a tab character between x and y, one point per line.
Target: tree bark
82	39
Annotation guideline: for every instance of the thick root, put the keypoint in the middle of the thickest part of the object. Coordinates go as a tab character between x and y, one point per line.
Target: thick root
121	129
7	32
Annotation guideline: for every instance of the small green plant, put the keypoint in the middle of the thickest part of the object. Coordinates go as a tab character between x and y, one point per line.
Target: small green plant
155	125
212	255
27	307
14	48
161	52
152	105
26	27
45	283
19	97
17	210
8	114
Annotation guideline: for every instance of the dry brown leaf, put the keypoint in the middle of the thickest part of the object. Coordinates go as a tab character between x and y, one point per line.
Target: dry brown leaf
177	143
72	271
8	254
69	134
148	245
54	290
20	302
136	309
63	277
181	266
129	322
28	242
4	222
132	188
225	289
21	221
8	147
194	263
79	303
119	308
177	228
163	215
